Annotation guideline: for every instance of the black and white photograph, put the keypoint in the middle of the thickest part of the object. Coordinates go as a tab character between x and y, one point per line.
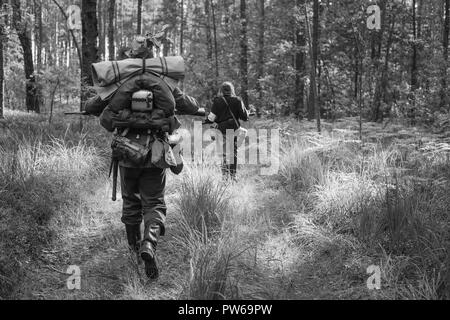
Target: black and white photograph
246	152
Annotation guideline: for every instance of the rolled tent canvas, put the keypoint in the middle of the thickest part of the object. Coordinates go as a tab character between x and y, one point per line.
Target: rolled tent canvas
108	76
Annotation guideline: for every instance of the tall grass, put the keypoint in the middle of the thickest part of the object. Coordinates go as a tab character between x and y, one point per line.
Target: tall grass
307	160
211	267
379	204
217	227
384	197
301	169
202	203
42	169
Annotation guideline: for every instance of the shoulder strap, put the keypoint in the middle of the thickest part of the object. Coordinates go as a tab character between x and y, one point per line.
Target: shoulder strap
229	110
125	132
160	76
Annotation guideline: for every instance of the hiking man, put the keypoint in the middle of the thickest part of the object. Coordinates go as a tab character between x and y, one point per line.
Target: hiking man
141	113
225	113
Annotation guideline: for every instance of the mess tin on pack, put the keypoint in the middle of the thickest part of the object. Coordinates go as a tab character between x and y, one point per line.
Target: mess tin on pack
142	101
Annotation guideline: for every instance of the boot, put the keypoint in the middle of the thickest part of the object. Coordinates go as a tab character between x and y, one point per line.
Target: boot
148	248
133	236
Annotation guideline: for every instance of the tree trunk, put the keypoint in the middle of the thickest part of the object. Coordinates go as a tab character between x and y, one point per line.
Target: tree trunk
444	97
260	66
166	47
377	44
360	93
414	72
101	34
56	50
67	51
300	66
182	27
111	15
38	34
208	31
209	48
139	17
330	86
2	40
419	18
23	33
38	41
313	103
89	48
380	92
52	101
216	57
313	42
244	52
414	49
118	18
356	78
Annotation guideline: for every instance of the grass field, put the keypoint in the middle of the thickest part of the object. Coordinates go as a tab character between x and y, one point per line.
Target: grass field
336	207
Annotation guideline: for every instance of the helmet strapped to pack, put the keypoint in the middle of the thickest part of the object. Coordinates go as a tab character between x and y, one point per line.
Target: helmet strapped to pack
152	40
142	101
139	48
157	38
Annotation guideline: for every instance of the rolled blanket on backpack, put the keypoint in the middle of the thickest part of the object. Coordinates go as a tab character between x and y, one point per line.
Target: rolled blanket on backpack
108	76
109	72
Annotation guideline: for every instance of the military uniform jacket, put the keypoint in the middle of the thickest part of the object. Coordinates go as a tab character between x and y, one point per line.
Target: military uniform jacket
165	101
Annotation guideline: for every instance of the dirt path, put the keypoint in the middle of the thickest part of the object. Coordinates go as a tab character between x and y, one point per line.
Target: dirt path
293	269
91	237
108	269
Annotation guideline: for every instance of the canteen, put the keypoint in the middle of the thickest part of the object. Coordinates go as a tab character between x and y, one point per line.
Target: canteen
142	101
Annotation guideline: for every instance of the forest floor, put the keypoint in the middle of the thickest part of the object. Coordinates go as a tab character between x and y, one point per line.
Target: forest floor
311	231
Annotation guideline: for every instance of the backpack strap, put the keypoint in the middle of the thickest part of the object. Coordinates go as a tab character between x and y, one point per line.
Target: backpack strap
125	132
149	134
229	110
164	67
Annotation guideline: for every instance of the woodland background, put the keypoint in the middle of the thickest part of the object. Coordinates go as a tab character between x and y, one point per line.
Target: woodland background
274	51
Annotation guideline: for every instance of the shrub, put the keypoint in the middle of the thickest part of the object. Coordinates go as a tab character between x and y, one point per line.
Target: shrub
301	169
211	266
39	174
342	200
202	203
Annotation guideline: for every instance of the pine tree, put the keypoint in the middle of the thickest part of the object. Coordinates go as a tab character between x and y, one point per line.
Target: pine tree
23	32
89	47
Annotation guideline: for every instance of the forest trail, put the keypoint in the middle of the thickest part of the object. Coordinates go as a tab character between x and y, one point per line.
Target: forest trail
110	271
289	240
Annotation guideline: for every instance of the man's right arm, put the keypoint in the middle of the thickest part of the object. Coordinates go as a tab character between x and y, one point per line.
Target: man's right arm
106	119
95	106
185	104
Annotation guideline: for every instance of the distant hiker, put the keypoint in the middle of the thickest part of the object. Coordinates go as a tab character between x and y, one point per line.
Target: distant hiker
226	112
141	112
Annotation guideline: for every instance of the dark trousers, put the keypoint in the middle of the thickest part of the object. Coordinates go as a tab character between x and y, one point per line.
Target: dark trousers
143	196
229	169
